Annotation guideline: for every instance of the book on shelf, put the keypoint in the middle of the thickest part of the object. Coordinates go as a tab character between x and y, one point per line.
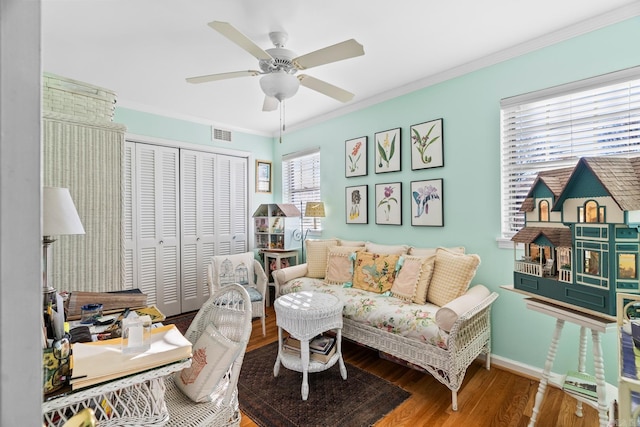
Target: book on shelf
313	356
100	361
320	344
580	384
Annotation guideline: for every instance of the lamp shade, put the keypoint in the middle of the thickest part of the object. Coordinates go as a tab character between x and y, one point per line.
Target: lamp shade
279	85
314	210
59	214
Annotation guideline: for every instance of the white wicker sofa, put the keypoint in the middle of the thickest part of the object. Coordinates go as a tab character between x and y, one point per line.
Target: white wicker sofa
427	316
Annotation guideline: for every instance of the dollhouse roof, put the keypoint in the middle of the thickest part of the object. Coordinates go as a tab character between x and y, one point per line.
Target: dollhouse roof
618	175
554	180
560	237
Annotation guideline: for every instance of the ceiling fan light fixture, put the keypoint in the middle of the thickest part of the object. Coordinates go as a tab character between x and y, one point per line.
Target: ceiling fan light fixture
279	85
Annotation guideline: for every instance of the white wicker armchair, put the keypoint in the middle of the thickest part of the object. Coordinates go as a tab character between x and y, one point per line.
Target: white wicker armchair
241	268
229	310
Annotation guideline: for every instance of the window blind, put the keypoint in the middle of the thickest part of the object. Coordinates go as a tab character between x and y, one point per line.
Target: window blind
555	127
301	181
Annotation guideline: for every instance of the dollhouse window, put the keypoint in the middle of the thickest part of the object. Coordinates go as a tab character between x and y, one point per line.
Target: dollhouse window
591	212
592	263
543	211
627	266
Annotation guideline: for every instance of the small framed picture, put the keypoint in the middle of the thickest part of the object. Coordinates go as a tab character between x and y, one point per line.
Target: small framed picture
426	203
387	150
389	203
427	145
355	157
356	203
263	176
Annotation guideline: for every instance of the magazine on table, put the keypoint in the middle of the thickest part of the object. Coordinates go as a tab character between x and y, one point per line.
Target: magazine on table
288	348
581	384
320	344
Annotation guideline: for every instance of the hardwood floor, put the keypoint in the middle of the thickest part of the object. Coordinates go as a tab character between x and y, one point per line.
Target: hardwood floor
487	398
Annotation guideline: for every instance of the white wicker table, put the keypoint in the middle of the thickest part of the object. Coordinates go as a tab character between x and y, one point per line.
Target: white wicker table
304	315
133	400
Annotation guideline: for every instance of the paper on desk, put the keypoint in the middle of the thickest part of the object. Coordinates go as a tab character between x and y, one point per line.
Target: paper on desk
57	318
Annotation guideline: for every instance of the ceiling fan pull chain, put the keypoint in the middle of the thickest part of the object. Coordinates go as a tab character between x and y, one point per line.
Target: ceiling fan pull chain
281	125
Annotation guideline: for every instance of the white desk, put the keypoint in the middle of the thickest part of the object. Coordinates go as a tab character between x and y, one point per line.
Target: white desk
596	325
277	256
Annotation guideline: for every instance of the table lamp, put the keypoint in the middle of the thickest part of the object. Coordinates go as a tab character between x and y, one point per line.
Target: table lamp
59	217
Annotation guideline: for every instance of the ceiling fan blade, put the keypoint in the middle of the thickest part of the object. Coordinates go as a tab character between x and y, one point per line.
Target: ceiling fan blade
270	103
337	52
325	88
230	32
222	76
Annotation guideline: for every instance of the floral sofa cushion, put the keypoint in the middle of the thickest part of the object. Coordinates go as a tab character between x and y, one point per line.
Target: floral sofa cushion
393	315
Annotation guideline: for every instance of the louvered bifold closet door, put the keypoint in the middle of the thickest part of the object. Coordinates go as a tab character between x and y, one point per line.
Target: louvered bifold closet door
158	242
231	205
197	191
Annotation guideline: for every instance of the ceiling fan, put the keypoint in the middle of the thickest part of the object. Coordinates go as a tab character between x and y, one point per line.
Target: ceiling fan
278	66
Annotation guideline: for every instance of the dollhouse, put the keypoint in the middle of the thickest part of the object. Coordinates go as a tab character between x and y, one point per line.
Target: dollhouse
580	236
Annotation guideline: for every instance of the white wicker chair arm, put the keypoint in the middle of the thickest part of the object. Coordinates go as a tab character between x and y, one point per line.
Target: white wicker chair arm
261	277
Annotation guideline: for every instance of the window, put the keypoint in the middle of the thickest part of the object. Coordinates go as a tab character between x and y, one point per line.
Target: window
591	212
301	181
543	210
553	128
627	266
592	263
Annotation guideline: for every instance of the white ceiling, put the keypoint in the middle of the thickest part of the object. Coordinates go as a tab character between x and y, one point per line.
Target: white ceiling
144	49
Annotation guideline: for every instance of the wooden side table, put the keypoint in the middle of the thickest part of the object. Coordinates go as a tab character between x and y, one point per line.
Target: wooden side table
596	325
276	256
304	315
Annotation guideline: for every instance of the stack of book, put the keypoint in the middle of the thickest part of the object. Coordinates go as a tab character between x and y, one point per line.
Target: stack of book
321	348
580	384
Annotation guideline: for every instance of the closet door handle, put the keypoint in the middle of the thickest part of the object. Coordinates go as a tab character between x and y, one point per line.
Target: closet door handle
161	242
197	239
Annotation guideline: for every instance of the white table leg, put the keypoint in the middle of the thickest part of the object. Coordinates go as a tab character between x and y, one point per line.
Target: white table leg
304	353
551	355
598	365
582	358
276	367
343	369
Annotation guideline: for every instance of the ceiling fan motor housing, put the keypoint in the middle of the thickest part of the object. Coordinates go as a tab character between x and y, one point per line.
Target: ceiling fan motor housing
282	61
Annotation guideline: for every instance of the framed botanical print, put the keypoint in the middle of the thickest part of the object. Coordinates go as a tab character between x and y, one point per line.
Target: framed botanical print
427	145
263	176
426	203
389	203
355	157
387	150
356	203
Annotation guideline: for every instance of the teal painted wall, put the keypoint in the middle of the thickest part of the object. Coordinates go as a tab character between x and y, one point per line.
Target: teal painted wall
470	108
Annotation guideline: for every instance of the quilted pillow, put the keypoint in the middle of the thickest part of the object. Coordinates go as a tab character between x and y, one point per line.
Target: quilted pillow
386	249
404	287
317	251
452	273
236	268
213	355
432	251
342	242
339	265
374	272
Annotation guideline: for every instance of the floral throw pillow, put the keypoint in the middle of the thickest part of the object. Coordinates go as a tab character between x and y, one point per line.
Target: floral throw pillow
374	272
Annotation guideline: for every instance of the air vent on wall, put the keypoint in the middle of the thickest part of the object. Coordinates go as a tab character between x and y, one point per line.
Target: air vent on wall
221	134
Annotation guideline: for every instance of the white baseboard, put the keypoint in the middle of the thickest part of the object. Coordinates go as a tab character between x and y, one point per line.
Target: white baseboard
517	367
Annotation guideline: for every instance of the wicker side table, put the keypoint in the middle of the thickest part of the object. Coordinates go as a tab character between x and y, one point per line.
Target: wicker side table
304	315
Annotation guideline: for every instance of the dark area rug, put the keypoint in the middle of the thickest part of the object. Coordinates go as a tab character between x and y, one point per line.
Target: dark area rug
182	321
359	401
